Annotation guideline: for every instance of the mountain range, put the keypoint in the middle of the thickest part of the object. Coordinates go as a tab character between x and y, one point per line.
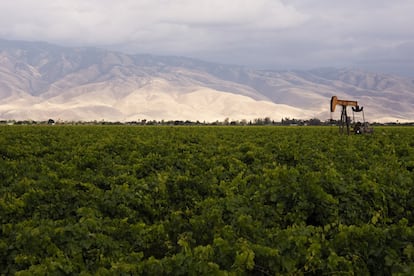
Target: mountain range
39	81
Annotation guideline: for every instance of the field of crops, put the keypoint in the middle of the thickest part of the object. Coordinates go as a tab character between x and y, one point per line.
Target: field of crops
113	200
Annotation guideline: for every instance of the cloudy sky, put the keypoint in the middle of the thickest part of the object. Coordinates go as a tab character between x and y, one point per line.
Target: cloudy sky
275	34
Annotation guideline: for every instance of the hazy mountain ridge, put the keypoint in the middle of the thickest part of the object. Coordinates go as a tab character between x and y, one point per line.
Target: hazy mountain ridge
39	80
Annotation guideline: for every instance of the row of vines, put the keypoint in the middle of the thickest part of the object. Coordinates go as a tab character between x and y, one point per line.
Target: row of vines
113	200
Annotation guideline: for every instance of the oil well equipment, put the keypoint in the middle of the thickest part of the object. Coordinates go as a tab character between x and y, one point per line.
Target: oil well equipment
345	121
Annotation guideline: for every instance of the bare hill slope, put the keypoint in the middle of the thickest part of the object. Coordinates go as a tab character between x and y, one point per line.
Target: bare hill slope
40	81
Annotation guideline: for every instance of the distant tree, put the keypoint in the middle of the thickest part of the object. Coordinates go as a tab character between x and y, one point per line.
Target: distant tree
314	122
258	121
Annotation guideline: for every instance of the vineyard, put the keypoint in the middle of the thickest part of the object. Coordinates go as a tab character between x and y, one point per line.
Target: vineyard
142	200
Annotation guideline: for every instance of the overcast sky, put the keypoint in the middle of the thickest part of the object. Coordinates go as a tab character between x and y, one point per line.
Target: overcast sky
298	34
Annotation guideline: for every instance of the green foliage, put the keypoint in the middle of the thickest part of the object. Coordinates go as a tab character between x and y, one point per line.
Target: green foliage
116	200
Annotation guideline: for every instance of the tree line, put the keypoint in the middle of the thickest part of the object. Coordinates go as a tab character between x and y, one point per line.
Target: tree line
226	122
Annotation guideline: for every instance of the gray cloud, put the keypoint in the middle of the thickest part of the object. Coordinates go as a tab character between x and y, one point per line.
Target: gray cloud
263	33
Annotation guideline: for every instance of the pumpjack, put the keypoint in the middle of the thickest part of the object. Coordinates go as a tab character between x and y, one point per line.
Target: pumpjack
345	122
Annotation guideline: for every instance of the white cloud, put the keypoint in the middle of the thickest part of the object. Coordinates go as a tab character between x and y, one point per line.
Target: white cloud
232	13
117	21
271	33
